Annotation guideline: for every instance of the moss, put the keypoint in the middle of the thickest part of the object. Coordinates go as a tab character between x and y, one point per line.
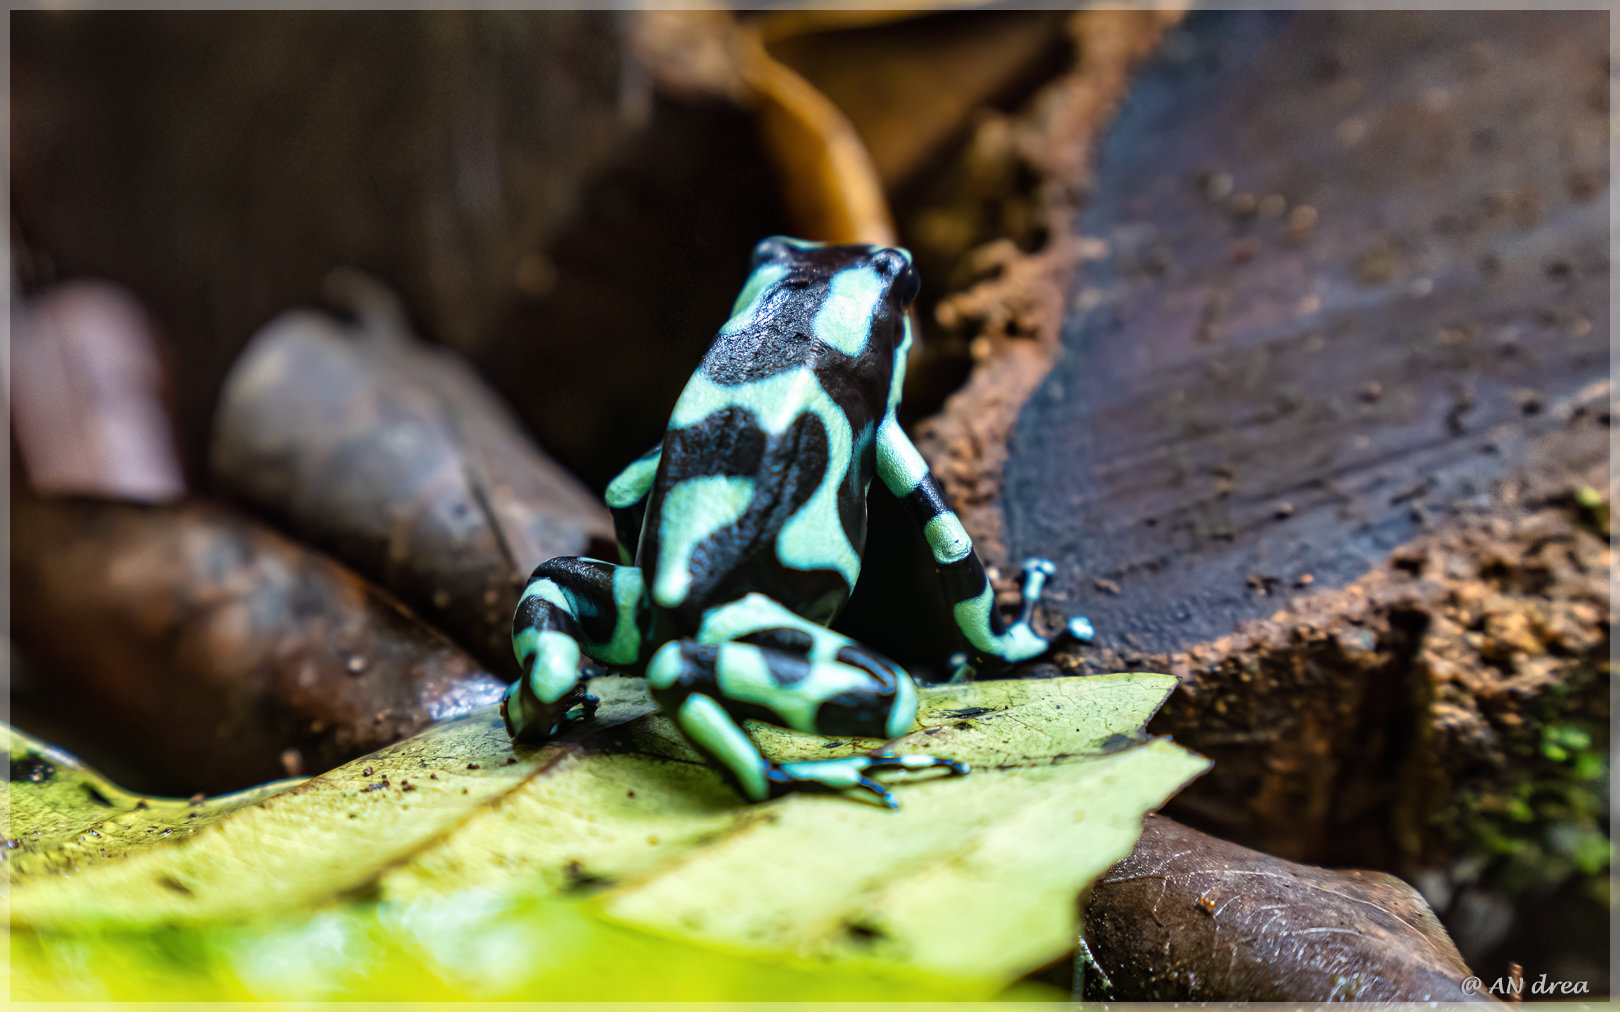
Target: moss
1548	822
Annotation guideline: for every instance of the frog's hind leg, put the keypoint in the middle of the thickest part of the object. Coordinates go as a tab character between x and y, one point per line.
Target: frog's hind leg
967	587
708	687
569	608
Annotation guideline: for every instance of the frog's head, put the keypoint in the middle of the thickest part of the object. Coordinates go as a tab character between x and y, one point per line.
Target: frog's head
851	300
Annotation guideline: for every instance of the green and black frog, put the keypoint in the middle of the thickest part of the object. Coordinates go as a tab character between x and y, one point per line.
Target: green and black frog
742	531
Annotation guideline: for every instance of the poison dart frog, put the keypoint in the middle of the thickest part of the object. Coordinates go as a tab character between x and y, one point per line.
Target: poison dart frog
741	535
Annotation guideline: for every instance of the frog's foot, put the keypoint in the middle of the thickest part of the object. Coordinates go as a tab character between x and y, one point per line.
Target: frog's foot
551	641
995	648
1036	572
528	719
587	706
842	774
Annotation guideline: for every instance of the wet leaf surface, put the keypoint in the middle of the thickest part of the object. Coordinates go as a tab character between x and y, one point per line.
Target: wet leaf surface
483	944
972	882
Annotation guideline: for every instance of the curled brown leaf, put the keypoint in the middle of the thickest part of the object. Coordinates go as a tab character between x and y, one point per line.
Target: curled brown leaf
1189	917
204	646
397	459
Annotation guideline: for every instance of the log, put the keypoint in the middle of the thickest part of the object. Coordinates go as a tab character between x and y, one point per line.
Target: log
523	176
1339	250
1324	432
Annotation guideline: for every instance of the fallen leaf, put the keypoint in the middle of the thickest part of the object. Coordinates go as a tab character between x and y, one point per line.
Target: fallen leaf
484	944
216	644
397	459
1189	917
824	172
88	406
972	883
915	83
68	817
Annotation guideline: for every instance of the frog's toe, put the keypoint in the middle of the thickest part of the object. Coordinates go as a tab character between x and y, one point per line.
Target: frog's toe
891	761
1080	629
588	705
851	772
1036	572
868	784
529	719
526	718
1036	564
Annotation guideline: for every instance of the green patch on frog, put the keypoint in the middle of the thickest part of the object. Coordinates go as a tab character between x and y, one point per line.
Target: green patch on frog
643	849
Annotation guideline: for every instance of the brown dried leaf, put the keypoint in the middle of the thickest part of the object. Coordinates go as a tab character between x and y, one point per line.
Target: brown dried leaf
914	84
88	408
394	457
1189	917
204	645
831	187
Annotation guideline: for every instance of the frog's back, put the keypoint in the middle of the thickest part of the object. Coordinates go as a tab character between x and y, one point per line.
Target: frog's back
761	485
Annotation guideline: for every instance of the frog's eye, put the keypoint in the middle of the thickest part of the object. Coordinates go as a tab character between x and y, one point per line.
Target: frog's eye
895	264
772	249
908	285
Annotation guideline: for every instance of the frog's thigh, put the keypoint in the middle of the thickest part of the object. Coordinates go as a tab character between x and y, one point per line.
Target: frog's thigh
763	622
627	499
570	607
707	688
758	620
967	588
602	607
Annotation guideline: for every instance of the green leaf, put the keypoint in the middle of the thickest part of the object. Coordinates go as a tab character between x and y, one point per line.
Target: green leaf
614	845
477	944
68	817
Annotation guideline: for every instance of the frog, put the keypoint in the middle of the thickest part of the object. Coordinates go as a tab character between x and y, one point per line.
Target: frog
741	534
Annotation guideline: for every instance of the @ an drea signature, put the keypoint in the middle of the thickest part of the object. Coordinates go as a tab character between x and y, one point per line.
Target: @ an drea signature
1517	984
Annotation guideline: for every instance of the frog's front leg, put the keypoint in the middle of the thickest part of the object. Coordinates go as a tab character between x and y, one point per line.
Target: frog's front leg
570	606
973	601
708	687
